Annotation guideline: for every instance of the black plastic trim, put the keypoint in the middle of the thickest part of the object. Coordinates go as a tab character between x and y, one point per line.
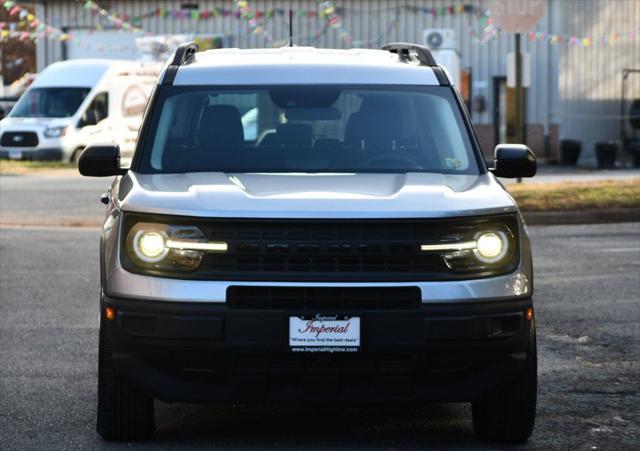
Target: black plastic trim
403	49
483	307
184	54
169	75
441	76
471	131
144	127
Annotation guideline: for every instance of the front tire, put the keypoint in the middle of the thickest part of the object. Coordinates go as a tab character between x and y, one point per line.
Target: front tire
75	156
124	413
507	415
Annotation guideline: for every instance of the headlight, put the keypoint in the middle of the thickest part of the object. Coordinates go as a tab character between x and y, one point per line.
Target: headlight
55	132
164	247
491	247
149	246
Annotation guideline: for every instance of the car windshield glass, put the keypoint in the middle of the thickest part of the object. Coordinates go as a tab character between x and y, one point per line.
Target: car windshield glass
50	102
307	129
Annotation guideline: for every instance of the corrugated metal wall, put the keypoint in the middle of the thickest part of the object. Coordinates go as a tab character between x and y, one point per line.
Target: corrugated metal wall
578	88
590	79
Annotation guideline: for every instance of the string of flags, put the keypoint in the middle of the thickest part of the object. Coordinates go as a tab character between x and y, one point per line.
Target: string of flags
119	22
30	27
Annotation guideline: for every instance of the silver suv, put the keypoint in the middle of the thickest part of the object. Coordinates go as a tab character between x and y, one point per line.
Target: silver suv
318	226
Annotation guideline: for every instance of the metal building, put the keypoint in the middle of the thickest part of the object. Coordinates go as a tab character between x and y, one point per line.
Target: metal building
575	85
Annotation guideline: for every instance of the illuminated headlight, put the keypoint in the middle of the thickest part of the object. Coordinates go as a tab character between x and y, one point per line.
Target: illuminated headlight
491	247
149	246
166	247
55	132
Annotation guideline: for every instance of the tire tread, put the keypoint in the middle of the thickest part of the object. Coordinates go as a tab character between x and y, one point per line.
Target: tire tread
124	413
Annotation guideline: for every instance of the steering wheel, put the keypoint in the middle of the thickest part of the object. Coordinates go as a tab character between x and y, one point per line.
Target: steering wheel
402	159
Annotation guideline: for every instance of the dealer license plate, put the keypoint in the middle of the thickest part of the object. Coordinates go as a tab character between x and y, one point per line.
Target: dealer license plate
324	333
15	155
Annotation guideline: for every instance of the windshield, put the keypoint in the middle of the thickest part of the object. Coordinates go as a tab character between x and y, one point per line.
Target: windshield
49	102
307	129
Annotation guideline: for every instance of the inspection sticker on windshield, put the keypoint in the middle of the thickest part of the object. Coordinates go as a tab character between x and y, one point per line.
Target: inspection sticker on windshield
321	333
453	163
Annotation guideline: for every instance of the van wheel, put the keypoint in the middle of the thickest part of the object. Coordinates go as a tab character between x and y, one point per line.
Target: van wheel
75	156
508	414
124	413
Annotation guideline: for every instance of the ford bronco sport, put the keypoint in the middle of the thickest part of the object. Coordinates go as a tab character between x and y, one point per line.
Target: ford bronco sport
352	248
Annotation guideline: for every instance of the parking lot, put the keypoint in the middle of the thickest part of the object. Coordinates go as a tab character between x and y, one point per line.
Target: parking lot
587	294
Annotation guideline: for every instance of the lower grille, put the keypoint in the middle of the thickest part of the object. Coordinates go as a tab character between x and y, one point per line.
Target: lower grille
323	298
19	139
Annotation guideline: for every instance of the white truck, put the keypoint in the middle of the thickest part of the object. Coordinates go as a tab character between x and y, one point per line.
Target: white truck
72	104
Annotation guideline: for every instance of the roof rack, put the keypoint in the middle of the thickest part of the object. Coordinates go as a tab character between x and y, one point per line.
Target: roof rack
404	49
184	55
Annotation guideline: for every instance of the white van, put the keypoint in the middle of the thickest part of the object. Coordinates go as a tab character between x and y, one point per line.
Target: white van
72	104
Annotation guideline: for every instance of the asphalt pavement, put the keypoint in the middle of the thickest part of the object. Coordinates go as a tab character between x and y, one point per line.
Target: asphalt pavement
588	311
588	315
52	199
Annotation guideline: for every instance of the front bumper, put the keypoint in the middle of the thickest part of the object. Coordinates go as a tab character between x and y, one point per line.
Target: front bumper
54	153
207	352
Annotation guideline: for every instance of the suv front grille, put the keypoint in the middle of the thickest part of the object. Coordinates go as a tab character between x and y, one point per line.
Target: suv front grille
319	298
346	250
19	139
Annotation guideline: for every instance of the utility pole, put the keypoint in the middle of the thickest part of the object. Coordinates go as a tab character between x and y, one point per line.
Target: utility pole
519	109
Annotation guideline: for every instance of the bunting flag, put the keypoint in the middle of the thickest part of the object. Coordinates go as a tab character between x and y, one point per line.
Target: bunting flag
328	17
491	32
585	41
28	26
254	22
119	22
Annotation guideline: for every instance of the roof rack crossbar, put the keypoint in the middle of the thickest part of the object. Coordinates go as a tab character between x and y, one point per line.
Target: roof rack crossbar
403	49
184	54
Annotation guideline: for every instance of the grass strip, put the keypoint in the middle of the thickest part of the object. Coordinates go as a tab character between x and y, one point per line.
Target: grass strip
563	196
28	167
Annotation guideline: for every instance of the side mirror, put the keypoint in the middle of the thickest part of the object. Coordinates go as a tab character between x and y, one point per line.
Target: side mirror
514	160
101	160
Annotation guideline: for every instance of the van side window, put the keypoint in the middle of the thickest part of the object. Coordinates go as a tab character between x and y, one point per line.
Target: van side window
96	111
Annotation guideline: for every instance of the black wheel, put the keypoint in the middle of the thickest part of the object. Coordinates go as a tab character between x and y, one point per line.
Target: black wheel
75	156
508	414
124	413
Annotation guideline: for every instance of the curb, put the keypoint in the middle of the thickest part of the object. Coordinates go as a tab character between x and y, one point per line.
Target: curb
582	216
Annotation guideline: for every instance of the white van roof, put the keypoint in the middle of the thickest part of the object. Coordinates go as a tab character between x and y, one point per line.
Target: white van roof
84	72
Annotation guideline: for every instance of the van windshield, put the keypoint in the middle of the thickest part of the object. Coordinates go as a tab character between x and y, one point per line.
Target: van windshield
49	102
315	128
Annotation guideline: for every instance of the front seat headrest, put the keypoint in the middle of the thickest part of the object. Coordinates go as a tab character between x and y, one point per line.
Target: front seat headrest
294	135
220	129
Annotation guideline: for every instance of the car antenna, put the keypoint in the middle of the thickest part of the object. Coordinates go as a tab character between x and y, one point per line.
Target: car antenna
290	27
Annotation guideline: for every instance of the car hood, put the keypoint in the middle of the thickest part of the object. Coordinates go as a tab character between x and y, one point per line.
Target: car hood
412	195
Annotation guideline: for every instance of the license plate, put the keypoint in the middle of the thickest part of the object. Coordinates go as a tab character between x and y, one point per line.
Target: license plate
15	155
322	333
